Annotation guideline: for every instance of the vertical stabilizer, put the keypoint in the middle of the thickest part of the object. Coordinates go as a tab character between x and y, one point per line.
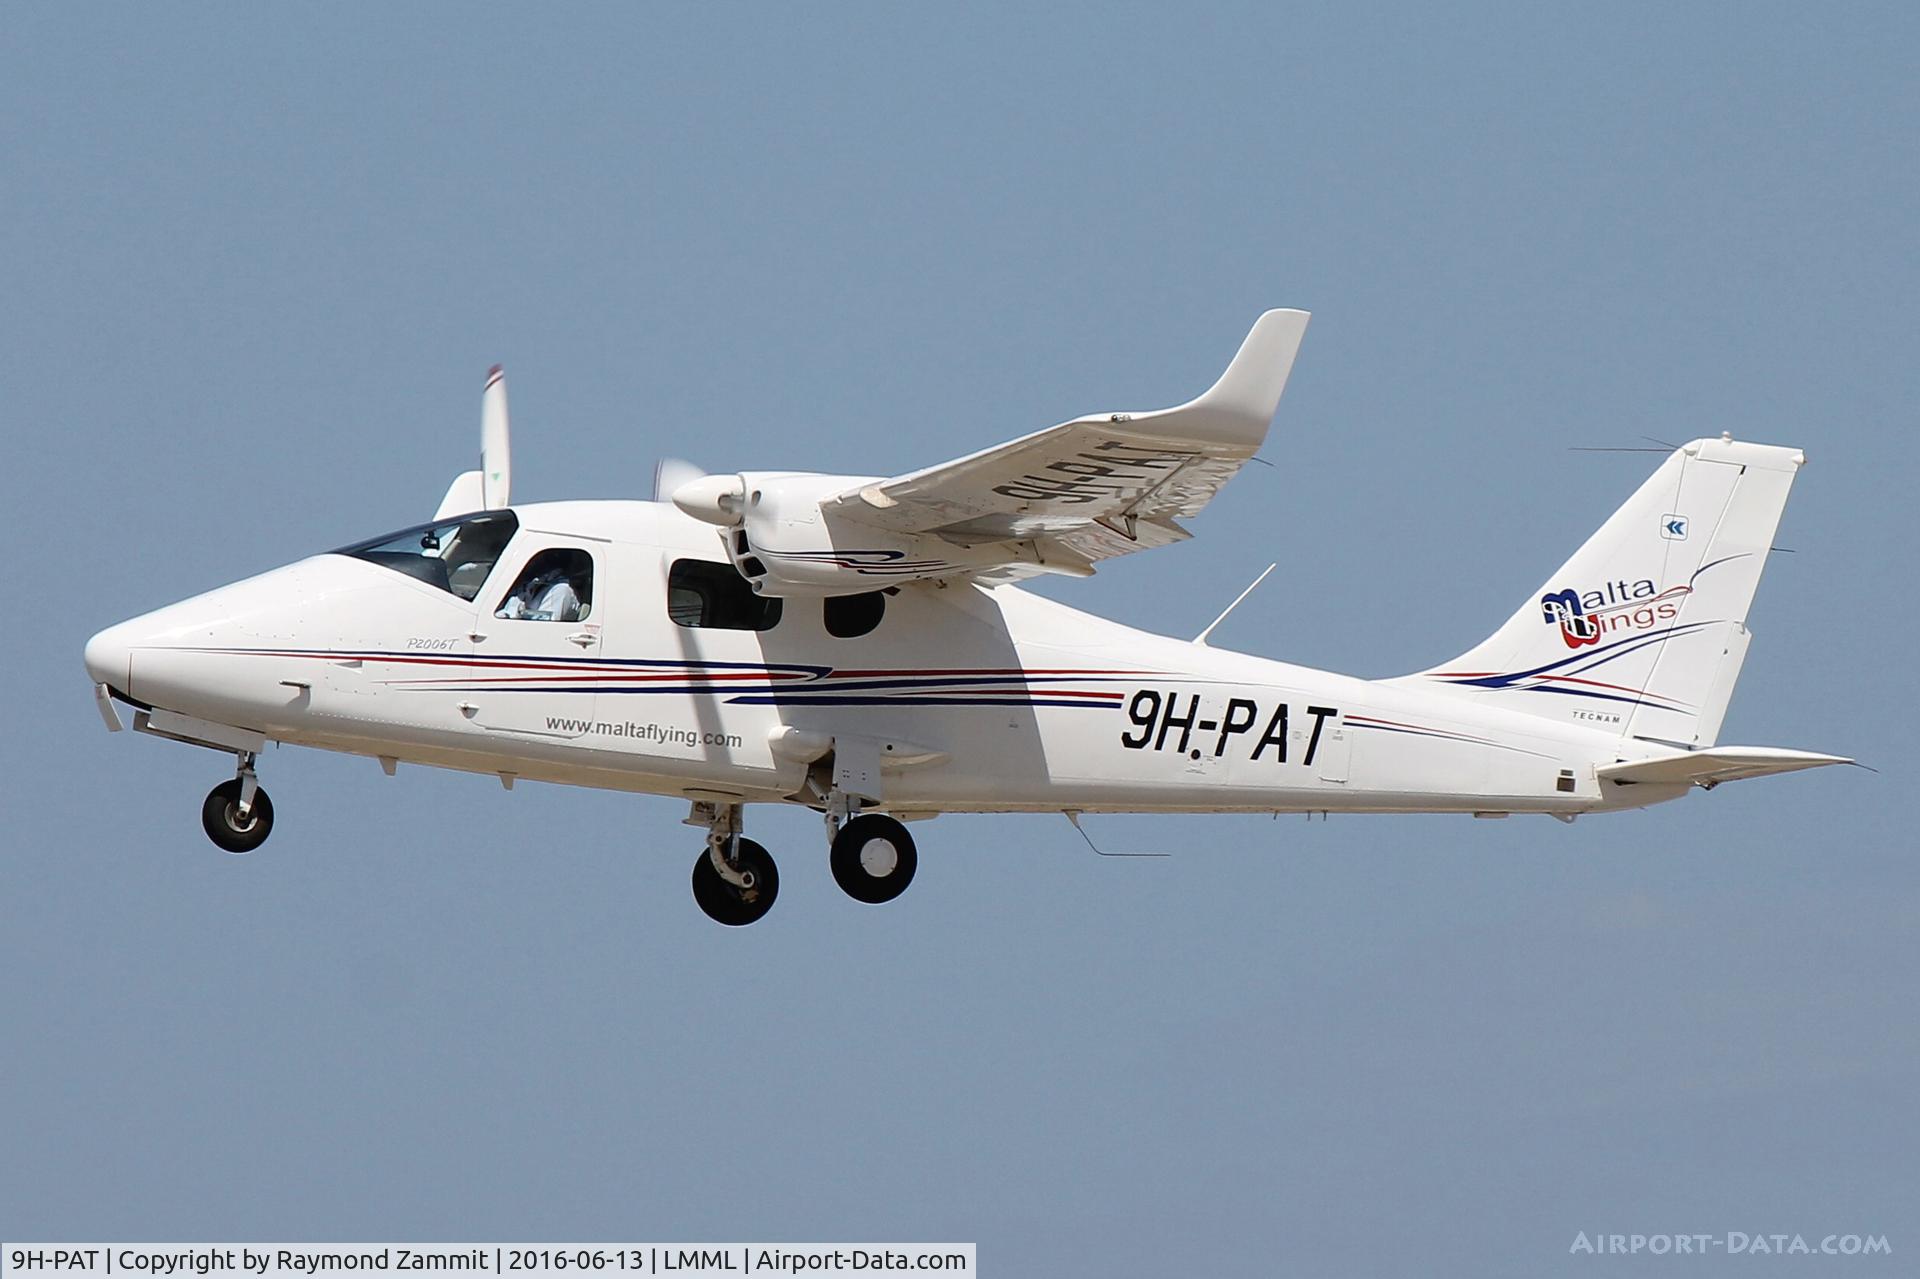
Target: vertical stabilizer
1643	631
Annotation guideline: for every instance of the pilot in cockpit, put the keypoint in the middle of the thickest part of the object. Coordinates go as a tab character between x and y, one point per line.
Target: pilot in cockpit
547	596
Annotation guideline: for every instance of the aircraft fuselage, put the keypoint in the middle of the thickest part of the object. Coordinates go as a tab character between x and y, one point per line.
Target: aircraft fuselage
969	699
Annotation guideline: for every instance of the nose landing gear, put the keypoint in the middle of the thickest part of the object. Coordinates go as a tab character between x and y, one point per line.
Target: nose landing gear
238	815
734	879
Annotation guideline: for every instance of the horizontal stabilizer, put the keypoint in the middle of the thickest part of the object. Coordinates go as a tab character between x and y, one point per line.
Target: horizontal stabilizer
1709	768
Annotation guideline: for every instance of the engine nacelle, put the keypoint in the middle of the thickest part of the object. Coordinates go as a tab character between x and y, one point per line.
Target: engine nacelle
782	542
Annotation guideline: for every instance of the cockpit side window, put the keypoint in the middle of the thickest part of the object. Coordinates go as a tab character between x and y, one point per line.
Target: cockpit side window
455	555
555	586
704	593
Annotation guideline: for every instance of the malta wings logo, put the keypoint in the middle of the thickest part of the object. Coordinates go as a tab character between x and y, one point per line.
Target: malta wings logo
1584	617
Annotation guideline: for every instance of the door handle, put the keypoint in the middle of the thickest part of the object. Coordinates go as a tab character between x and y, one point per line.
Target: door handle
583	638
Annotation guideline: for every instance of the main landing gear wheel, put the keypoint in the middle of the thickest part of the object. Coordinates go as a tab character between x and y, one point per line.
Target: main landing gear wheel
736	904
228	827
873	858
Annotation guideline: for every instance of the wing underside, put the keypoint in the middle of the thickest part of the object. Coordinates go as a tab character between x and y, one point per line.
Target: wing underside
1098	486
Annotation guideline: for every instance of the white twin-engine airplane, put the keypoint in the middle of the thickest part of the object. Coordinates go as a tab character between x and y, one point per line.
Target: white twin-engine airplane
855	644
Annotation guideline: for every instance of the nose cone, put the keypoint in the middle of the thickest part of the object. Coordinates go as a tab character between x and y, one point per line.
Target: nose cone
714	498
109	657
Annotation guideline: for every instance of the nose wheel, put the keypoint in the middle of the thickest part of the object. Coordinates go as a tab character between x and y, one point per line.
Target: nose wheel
873	858
736	888
734	879
237	815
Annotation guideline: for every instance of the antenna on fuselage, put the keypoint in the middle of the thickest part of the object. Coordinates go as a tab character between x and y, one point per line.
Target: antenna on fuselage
1201	638
1073	815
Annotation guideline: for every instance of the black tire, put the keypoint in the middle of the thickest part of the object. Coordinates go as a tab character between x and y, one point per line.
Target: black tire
221	817
729	904
873	858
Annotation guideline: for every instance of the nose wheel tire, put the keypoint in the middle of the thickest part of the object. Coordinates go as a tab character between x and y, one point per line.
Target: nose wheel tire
224	823
729	903
873	858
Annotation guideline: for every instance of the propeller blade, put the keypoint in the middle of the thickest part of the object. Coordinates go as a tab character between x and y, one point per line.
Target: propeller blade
496	454
669	473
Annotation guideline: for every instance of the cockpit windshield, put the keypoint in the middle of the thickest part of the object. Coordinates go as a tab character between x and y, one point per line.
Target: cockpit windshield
455	555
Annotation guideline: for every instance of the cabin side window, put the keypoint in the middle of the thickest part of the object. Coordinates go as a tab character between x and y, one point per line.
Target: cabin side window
555	586
705	593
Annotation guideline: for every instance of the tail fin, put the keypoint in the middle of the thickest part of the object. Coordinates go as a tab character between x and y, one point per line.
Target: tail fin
1644	629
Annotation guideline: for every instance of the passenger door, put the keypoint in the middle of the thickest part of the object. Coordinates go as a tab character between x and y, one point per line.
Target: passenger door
536	638
701	629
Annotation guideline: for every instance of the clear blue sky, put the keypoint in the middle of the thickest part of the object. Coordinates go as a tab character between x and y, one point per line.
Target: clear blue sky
256	260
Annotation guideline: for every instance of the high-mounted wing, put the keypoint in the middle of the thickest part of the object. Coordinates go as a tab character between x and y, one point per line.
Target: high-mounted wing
1053	502
1097	486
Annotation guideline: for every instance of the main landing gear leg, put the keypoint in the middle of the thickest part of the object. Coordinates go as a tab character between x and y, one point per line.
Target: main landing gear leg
238	815
871	854
734	879
839	809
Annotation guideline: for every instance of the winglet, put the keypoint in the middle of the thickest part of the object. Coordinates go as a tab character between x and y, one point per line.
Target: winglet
1238	408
